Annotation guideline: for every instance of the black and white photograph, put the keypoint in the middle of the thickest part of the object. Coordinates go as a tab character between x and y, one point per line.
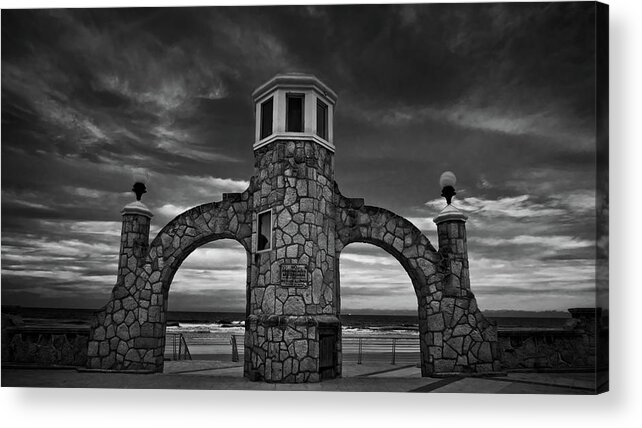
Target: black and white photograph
380	198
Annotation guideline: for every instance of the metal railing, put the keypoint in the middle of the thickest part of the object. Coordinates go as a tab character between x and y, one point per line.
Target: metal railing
204	347
180	350
235	349
359	349
395	349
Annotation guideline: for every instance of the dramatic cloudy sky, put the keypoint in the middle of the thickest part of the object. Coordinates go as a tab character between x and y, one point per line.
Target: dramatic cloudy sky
501	94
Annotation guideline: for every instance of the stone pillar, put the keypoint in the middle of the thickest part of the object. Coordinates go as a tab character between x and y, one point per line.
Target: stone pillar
293	316
451	231
115	326
469	341
134	240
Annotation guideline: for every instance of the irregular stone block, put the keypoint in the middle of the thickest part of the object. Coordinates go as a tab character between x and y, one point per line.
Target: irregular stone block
277	371
122	348
474	335
122	332
462	330
282	294
99	333
292	251
130	318
145	343
290	334
306	205
103	349
444	366
435	322
301	348
92	348
438	339
449	352
154	313
484	353
308	365
294	305
457	344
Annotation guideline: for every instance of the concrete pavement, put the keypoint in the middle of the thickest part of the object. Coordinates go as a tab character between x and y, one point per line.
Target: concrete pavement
381	377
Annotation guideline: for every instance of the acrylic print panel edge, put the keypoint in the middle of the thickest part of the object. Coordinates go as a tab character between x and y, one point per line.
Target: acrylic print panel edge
154	316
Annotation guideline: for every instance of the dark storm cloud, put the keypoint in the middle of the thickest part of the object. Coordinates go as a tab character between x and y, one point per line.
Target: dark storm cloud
503	94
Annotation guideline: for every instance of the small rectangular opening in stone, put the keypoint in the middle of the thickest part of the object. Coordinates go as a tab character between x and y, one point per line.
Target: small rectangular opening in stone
264	241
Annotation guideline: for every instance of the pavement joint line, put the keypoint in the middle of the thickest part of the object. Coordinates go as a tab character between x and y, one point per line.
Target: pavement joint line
436	385
202	370
386	370
532	382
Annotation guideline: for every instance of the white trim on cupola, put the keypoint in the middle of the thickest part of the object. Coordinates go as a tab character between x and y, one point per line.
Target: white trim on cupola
312	90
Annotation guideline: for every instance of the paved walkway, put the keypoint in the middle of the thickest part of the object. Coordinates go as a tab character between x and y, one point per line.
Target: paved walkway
203	374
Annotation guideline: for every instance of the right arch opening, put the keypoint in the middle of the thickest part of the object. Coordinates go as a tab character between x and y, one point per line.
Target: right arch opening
379	313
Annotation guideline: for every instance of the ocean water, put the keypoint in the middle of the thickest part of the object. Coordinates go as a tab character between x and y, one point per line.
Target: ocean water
222	322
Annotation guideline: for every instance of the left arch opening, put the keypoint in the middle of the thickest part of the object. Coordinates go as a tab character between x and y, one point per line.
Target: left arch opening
207	309
211	279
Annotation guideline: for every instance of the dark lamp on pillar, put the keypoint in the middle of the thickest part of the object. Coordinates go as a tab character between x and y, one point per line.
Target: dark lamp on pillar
138	189
140	178
447	182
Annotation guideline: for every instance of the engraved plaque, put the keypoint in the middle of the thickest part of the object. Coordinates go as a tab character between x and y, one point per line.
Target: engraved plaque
294	275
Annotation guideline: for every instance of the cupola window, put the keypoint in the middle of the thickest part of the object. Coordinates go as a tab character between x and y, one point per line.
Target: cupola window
266	118
294	118
322	119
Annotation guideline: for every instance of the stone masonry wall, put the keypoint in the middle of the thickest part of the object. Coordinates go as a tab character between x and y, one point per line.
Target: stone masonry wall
575	345
45	347
134	243
454	248
470	340
454	335
129	332
282	351
545	349
295	180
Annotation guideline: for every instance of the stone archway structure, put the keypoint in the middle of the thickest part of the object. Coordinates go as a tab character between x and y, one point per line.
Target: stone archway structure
293	223
129	333
454	335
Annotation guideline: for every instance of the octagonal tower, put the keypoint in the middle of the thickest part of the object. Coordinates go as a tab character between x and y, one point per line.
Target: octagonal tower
293	332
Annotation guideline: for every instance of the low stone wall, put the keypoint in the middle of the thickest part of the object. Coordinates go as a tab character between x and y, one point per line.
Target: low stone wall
45	346
571	347
539	349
